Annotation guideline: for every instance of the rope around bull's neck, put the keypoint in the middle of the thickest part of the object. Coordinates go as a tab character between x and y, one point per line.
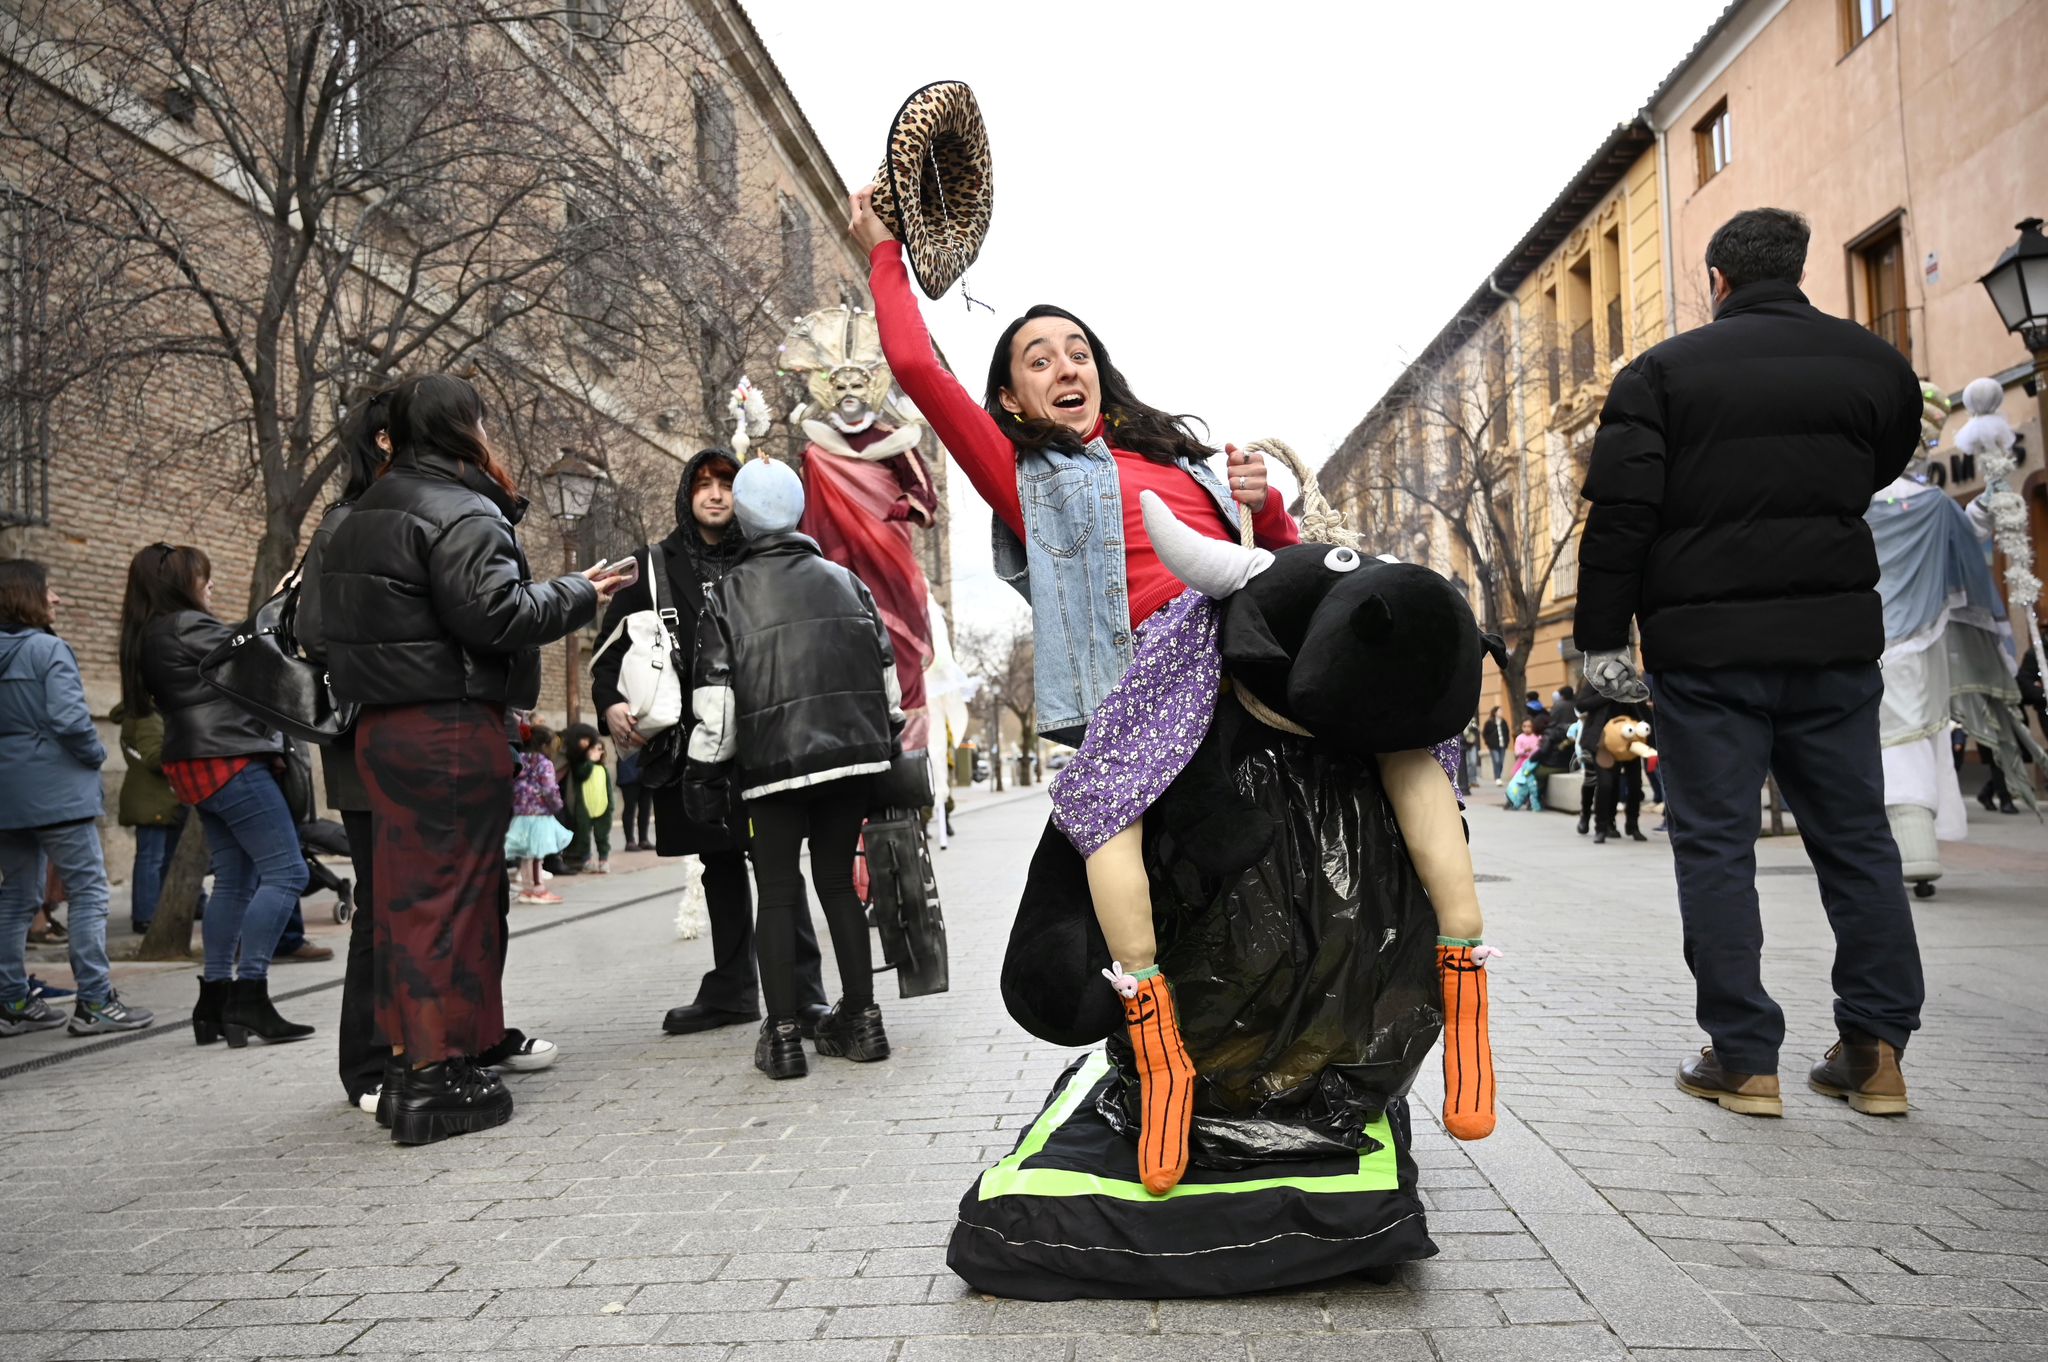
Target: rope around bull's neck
1265	714
1320	521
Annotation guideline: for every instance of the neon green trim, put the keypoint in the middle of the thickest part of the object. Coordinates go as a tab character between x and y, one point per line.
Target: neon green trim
1149	972
1460	941
1377	1169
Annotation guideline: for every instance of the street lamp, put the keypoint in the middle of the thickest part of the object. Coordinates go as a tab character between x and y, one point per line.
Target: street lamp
2018	285
569	486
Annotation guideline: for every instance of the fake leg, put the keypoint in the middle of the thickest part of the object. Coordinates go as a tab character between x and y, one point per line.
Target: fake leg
1426	808
1166	1076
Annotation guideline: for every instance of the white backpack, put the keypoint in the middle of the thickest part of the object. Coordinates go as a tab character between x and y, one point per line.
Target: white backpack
649	677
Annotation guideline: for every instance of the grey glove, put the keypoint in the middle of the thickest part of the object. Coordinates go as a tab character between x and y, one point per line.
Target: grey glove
1613	674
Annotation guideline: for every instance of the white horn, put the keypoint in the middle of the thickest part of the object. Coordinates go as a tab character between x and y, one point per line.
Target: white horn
1214	567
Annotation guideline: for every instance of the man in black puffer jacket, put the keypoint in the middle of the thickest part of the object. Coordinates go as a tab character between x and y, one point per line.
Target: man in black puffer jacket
797	704
1728	481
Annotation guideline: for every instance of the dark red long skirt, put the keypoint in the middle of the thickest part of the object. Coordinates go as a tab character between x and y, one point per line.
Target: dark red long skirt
439	777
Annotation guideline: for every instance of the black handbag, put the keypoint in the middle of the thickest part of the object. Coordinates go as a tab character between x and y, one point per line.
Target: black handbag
907	784
262	670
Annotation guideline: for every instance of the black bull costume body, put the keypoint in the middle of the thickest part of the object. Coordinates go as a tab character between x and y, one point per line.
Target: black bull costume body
1303	950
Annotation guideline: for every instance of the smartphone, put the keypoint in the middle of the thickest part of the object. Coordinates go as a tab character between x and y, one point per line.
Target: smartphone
628	572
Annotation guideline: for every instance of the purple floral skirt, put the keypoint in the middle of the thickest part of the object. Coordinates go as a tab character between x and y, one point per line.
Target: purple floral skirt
1146	729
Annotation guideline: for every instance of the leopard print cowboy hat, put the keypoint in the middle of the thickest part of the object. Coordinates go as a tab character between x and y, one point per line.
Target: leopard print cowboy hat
936	187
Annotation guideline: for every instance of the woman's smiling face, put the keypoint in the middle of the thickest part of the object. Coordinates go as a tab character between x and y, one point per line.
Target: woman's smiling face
1053	376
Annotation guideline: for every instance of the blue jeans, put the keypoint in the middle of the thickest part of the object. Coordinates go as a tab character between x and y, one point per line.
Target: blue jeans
75	848
258	872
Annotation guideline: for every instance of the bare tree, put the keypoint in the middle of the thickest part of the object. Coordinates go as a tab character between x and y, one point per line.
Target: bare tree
1001	658
1450	482
286	201
278	204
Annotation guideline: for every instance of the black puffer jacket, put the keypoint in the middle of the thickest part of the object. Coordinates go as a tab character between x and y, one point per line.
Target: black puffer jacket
198	720
795	682
1729	480
344	782
425	593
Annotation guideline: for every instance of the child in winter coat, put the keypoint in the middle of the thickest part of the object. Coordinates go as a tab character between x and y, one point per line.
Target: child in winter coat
534	833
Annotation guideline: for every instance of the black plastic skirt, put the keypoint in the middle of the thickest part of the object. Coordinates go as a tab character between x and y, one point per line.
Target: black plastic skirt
1064	1215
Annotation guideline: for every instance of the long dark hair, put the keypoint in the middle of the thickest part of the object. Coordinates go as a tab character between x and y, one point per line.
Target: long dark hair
162	580
362	459
1133	425
24	594
443	414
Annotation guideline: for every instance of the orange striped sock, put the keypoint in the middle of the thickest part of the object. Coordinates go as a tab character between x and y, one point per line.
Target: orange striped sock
1468	1049
1166	1085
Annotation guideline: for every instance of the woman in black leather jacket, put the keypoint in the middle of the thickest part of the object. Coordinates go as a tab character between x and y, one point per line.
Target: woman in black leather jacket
223	762
433	625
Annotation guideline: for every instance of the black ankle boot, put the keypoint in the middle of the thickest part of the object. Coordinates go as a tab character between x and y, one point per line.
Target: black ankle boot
1635	833
1602	834
453	1097
780	1051
206	1013
249	1013
854	1034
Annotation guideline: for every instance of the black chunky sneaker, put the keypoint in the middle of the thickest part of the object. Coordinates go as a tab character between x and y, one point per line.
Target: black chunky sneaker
780	1051
453	1097
855	1035
387	1091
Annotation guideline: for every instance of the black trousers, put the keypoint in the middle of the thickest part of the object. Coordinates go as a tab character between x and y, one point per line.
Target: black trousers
1619	786
829	818
636	811
733	985
1816	731
362	1051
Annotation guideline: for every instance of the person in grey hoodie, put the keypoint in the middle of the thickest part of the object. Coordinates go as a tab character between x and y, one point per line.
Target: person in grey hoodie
49	807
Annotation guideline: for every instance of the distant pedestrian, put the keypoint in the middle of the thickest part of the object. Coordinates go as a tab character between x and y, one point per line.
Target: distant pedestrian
636	810
535	833
50	801
150	810
1728	484
223	762
1495	733
1528	742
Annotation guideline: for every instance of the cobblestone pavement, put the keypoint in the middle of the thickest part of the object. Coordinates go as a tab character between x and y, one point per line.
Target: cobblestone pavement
655	1198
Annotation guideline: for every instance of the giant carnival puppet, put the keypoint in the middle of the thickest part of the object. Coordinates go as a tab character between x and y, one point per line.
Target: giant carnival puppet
866	486
1949	649
1262	816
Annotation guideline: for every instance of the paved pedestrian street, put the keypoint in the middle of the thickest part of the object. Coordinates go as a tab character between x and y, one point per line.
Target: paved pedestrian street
654	1197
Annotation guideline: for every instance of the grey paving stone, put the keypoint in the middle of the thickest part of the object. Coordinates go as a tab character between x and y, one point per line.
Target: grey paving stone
278	1310
1403	1310
1219	1348
289	1340
895	1321
1054	1349
745	1326
132	1315
1649	1300
1381	1346
1897	1321
1899	1288
415	1305
1529	1343
816	1350
117	1343
433	1336
573	1331
1802	1346
1247	1314
1541	1306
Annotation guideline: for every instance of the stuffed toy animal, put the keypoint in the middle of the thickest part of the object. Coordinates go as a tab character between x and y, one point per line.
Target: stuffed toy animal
1367	655
1624	746
1525	788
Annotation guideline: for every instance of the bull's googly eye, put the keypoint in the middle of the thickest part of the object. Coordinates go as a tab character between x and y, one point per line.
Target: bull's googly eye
1342	560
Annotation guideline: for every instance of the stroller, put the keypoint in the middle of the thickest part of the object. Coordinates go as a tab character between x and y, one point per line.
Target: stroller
317	836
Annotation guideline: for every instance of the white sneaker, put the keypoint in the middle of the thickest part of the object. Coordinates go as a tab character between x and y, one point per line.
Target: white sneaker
368	1101
533	1053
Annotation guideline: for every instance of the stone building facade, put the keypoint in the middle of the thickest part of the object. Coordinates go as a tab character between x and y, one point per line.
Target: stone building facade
85	481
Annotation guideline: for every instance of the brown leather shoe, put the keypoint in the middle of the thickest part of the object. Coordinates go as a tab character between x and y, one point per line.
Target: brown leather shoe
1865	1070
1745	1094
305	954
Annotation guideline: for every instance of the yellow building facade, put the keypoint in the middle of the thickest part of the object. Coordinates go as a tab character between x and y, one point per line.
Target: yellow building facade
1471	463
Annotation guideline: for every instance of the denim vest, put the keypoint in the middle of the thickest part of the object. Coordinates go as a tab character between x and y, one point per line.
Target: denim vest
1070	566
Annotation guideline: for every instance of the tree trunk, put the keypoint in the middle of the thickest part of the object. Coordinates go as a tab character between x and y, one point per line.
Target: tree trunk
277	552
1514	676
170	931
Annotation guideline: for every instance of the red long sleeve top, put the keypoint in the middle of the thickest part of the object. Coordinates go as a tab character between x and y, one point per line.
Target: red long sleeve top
985	454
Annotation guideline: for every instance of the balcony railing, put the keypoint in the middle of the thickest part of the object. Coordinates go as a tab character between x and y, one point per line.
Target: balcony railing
1582	354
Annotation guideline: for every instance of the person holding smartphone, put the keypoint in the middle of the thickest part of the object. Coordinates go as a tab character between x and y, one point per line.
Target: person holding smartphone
434	626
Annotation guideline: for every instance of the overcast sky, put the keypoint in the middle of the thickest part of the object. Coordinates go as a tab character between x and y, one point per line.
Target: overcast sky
1263	210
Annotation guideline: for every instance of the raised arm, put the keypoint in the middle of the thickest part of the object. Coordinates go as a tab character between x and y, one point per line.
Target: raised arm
978	449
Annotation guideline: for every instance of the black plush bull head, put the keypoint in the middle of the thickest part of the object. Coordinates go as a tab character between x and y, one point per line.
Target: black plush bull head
1368	655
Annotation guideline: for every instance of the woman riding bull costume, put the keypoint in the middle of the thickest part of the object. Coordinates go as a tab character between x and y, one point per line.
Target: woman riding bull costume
1071	462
